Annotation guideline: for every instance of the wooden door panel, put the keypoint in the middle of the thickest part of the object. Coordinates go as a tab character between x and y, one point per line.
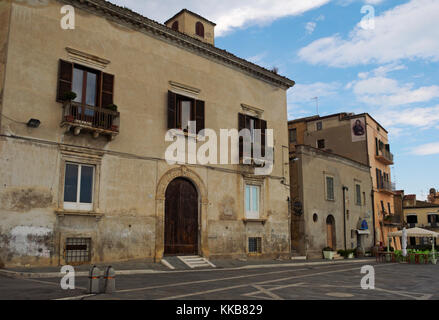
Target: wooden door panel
181	218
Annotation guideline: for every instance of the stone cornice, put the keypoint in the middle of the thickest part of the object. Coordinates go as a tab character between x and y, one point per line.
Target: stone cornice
141	23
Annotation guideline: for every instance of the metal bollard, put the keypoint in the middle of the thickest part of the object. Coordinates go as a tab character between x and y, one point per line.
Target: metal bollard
109	280
94	277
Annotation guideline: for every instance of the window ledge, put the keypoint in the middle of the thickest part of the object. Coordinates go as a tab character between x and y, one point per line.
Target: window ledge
245	220
62	213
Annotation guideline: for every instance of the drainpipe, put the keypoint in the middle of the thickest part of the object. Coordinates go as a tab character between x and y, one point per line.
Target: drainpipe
344	215
373	218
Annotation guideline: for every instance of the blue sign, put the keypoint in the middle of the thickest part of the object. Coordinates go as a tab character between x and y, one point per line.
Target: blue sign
364	225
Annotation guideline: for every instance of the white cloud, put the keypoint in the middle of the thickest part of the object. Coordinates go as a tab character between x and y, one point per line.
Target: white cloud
387	92
257	58
427	149
375	88
421	118
310	27
408	31
227	14
303	93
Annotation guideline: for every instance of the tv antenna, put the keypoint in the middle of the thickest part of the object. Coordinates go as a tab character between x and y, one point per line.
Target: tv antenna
317	104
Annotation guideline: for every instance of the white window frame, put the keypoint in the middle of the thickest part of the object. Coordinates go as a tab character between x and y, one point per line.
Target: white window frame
78	205
252	214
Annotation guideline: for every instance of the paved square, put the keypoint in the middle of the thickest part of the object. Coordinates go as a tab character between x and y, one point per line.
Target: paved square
332	281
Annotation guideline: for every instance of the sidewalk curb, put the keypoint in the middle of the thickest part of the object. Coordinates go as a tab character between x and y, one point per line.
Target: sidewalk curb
36	275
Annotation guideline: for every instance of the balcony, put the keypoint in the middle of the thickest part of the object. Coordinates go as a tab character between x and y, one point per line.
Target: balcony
385	157
386	187
84	118
393	220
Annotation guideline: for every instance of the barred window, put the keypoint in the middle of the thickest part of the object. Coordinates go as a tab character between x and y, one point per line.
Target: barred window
255	245
330	188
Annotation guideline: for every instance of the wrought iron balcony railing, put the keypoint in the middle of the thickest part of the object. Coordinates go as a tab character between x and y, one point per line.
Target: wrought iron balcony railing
89	118
385	156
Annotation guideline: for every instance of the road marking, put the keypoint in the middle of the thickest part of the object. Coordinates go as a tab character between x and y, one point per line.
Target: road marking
224	279
52	283
204	281
77	297
256	283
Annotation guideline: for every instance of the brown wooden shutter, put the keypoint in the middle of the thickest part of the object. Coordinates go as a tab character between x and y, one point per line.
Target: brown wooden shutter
199	115
241	125
263	137
172	110
107	89
65	79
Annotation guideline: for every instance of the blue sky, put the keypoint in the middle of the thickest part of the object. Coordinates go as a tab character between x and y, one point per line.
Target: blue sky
390	71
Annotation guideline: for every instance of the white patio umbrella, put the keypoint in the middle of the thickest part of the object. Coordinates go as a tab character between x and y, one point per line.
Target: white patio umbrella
404	242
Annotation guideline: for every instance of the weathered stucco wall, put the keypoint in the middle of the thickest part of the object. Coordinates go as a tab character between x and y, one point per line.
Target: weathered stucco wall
314	166
126	220
5	13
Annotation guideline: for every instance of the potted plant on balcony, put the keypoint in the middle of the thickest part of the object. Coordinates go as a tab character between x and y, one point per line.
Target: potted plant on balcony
69	118
328	253
68	96
112	107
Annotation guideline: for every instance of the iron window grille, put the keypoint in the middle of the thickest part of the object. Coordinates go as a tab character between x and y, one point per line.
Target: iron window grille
255	245
78	250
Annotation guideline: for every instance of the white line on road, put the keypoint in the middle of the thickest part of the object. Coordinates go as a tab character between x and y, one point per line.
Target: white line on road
258	283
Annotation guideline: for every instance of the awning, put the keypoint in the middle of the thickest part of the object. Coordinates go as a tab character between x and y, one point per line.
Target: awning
415	232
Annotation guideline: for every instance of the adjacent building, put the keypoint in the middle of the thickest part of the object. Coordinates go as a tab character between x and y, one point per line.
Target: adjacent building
363	140
433	196
331	202
422	214
84	178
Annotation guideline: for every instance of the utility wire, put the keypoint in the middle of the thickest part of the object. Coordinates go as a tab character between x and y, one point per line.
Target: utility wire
1	114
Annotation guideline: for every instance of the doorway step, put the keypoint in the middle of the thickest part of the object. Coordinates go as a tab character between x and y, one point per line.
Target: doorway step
196	262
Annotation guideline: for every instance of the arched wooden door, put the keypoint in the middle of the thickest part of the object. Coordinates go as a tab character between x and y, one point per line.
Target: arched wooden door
330	232
181	218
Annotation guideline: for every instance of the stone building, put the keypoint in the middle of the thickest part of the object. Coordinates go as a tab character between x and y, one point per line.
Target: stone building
433	196
84	179
331	202
362	139
421	214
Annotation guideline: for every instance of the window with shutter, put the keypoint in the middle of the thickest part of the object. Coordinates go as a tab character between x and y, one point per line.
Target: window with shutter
199	115
329	188
358	194
107	89
252	123
94	94
183	109
65	78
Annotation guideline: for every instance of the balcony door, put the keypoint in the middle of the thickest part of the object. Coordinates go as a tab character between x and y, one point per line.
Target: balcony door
85	85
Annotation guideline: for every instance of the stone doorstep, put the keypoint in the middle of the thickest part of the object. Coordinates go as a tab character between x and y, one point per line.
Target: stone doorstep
36	275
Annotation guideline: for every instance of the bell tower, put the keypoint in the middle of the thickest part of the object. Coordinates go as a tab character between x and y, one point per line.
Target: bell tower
193	25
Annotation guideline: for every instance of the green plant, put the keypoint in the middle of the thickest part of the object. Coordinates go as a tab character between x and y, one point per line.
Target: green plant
327	249
68	96
111	107
346	253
